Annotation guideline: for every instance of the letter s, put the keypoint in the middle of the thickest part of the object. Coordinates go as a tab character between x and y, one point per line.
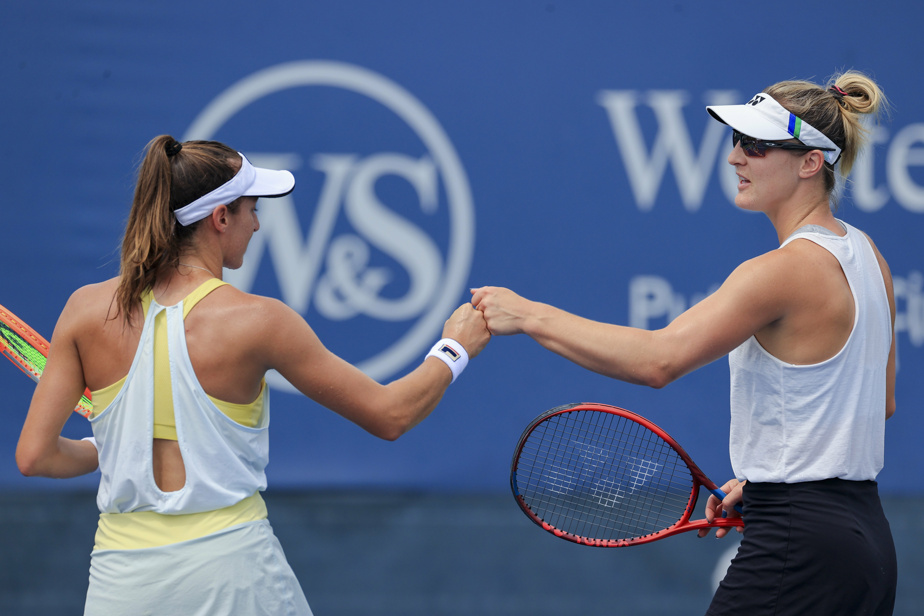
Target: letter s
393	235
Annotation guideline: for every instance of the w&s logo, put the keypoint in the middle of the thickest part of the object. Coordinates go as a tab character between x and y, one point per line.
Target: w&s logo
375	244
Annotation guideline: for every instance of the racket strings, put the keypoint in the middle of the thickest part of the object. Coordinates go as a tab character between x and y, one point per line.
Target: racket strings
602	476
21	351
27	350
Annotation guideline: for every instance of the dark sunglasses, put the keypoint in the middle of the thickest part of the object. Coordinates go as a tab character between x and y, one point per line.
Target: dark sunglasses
758	147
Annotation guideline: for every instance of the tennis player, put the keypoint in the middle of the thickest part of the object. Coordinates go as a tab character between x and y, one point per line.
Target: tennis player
175	359
808	329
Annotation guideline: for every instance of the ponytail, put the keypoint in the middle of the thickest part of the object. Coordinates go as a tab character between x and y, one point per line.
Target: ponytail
856	95
171	175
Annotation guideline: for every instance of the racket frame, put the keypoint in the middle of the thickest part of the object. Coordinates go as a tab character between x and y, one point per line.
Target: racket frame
14	333
682	525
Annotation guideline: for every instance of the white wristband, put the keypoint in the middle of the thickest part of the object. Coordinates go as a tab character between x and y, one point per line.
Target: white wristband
452	353
92	440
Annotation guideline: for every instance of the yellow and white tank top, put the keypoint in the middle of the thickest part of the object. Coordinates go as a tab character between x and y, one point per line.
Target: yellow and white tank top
224	446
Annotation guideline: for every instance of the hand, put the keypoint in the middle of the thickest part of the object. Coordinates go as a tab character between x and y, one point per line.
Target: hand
468	327
504	311
716	508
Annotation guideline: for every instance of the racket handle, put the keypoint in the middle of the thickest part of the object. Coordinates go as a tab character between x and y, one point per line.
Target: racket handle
721	496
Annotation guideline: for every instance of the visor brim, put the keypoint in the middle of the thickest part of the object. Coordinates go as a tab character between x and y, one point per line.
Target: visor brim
746	119
271	183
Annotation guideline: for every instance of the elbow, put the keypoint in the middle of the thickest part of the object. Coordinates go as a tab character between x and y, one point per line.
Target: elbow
658	380
28	464
34	459
890	408
397	424
395	414
658	375
391	431
391	427
26	469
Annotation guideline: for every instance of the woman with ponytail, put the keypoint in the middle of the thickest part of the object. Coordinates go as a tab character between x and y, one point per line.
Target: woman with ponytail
176	359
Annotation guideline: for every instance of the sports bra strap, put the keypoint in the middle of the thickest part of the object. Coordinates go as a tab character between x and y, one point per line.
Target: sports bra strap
201	291
189	301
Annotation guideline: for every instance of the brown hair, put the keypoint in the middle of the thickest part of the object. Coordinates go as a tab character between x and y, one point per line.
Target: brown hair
835	110
170	176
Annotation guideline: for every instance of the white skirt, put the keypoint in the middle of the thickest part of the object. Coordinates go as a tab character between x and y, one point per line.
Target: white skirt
240	570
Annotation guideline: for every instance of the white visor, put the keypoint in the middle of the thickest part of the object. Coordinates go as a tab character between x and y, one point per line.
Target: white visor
764	118
249	181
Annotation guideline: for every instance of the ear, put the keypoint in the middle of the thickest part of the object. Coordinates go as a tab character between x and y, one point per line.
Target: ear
219	218
812	163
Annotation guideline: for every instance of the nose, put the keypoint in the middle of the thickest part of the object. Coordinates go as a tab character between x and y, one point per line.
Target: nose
736	156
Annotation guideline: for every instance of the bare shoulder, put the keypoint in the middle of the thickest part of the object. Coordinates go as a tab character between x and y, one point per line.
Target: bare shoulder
93	294
254	316
91	304
235	304
766	272
260	327
768	285
809	262
812	269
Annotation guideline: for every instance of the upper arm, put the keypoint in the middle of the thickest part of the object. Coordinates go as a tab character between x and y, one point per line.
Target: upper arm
751	298
292	348
58	391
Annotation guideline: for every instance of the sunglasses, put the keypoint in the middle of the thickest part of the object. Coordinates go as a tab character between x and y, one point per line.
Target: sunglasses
758	147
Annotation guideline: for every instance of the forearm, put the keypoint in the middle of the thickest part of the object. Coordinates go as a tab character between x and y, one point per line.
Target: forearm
63	459
623	353
413	397
705	332
385	411
389	411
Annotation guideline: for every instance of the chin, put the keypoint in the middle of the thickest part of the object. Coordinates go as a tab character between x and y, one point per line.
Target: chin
743	203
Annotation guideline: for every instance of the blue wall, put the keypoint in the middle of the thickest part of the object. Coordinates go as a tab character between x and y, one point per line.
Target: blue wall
560	149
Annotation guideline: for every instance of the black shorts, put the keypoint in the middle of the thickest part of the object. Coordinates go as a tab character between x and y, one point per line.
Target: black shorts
820	548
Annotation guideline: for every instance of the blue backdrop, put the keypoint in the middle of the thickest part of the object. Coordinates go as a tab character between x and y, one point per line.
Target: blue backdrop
560	149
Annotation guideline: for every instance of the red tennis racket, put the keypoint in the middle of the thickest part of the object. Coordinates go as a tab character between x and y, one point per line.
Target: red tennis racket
603	476
26	348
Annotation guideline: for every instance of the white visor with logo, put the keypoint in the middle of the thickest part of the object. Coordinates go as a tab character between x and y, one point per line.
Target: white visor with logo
764	118
249	181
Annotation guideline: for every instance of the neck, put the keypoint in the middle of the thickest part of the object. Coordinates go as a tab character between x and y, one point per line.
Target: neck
185	263
801	210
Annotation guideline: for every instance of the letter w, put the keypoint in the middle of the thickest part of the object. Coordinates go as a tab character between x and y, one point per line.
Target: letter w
672	144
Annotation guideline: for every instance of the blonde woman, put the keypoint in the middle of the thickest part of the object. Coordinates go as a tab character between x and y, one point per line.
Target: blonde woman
808	329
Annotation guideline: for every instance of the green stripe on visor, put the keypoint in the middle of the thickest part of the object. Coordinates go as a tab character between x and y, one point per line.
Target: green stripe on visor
795	125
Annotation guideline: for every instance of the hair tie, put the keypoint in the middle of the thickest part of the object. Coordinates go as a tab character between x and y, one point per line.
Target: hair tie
839	92
173	148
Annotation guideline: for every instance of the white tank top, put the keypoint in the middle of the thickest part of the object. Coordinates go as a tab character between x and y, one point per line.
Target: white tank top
794	423
224	460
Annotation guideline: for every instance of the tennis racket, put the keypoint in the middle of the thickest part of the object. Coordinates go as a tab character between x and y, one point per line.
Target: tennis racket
603	476
26	348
